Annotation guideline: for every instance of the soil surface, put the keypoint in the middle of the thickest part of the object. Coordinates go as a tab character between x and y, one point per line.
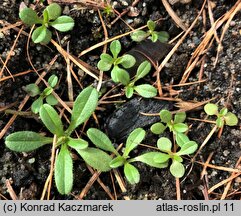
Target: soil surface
28	172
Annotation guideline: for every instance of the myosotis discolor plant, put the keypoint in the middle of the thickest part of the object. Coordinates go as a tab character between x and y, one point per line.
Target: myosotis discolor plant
51	17
25	141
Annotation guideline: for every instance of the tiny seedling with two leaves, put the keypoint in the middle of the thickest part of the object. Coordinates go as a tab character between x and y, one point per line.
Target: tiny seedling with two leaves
51	17
33	90
140	35
25	141
107	61
144	90
223	116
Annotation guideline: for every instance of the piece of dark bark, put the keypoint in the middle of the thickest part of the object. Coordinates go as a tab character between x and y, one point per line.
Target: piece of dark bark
128	117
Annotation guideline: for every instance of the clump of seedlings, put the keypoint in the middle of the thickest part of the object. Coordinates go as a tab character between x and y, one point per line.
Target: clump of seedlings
33	90
141	35
107	62
25	141
132	174
51	17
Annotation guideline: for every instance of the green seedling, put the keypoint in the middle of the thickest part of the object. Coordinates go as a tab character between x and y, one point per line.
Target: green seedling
223	116
51	17
165	146
140	35
33	90
176	125
25	141
107	61
145	90
102	141
108	10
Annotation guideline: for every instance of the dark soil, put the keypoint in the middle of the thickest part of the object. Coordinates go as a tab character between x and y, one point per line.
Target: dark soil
29	172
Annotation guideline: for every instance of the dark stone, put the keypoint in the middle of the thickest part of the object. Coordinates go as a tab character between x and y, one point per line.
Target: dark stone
126	118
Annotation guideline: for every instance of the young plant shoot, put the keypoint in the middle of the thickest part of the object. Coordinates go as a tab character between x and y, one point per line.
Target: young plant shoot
102	141
25	141
51	17
223	116
144	90
176	125
33	90
141	35
107	62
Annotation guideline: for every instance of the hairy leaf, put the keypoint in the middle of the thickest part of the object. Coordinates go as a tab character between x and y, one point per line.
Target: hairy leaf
25	141
51	120
63	172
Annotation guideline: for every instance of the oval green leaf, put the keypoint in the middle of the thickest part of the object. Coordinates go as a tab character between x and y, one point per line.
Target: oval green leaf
53	80
139	35
143	69
63	172
54	11
77	144
131	173
96	158
51	120
188	148
158	128
32	89
84	105
180	127
151	25
129	91
161	158
29	16
146	90
149	159
101	140
179	117
25	141
40	34
231	119
51	100
164	144
127	61
177	169
63	23
133	140
211	109
117	162
35	107
115	48
181	139
165	116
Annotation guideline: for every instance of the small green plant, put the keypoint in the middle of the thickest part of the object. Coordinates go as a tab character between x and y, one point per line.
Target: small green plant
84	106
107	61
176	125
108	10
165	145
102	141
51	17
223	116
140	35
145	90
33	90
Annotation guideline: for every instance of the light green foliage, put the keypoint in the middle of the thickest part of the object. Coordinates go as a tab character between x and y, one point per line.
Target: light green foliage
84	105
107	61
33	90
140	35
51	17
145	90
223	116
175	125
165	145
133	140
